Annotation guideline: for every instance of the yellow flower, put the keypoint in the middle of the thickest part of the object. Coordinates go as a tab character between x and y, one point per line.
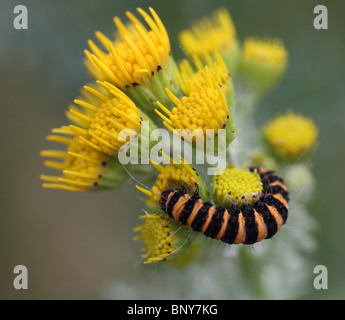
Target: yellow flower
263	60
135	55
164	237
174	175
237	186
270	52
82	167
103	116
291	135
214	69
210	35
204	107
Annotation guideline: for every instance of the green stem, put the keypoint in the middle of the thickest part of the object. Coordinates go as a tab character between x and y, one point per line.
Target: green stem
246	133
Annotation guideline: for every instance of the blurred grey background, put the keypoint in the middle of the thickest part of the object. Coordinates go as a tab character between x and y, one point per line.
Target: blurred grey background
73	244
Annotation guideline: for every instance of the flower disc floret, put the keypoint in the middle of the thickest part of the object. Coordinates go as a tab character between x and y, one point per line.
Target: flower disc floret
160	235
237	185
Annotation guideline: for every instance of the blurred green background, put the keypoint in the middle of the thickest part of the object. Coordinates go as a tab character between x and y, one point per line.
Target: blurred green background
74	244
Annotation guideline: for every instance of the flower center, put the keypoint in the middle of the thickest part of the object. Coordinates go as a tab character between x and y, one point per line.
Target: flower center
113	116
201	109
237	185
175	176
158	235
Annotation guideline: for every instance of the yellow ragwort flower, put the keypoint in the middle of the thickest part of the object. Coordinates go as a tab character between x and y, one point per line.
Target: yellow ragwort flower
174	175
103	117
291	135
263	62
82	167
237	186
164	237
204	107
214	69
136	53
269	52
210	35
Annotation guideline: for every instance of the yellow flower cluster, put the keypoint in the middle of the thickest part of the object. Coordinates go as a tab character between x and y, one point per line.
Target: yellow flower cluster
103	111
136	79
99	115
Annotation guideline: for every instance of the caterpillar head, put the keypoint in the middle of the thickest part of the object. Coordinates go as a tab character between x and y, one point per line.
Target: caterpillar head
164	198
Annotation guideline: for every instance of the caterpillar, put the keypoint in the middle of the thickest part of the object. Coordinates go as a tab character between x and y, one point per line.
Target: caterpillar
247	224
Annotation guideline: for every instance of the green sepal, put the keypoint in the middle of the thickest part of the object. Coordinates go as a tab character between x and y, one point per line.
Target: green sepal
258	76
232	59
280	157
230	135
189	253
114	175
146	95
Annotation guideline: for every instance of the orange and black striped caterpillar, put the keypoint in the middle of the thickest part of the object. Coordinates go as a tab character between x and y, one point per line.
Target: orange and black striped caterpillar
250	224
